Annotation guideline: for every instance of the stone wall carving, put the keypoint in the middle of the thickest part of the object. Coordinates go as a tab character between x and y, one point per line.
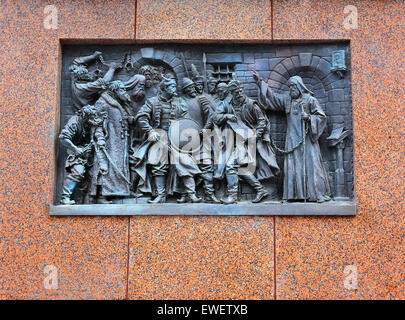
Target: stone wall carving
134	81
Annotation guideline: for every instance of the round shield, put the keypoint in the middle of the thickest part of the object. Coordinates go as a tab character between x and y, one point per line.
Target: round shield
184	135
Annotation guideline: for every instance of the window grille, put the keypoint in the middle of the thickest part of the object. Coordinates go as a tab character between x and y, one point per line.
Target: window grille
223	72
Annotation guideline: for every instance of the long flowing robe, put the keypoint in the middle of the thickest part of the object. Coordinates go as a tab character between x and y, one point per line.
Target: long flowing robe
252	115
315	176
113	183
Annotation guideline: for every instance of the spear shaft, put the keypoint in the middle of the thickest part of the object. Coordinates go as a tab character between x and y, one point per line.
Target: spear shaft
205	71
184	63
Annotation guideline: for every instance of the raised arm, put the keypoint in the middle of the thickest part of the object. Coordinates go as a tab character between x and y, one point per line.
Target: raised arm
268	99
68	133
87	59
110	73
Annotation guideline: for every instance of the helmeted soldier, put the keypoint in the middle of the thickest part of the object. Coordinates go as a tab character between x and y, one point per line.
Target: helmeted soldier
198	79
201	109
86	87
188	88
155	118
135	87
83	133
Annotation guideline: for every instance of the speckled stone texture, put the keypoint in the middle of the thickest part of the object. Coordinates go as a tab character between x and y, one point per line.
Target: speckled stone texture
311	253
199	257
90	254
203	19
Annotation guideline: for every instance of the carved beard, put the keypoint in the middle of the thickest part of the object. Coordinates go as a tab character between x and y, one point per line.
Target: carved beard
222	95
295	94
239	98
95	121
139	95
191	94
199	88
171	93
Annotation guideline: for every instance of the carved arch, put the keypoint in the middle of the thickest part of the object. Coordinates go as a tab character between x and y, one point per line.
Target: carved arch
159	58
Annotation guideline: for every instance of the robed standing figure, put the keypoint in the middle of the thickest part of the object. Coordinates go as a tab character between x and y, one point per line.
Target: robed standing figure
116	181
305	177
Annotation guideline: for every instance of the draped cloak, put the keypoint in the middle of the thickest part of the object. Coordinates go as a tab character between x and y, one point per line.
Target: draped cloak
254	118
315	177
113	183
251	116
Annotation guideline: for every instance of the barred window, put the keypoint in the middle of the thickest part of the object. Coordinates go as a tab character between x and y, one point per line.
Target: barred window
223	72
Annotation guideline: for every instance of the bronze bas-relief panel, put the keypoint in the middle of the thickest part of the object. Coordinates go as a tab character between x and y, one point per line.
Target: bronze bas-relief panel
205	129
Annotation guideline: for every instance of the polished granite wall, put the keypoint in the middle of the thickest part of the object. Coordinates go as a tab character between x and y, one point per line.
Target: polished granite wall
199	257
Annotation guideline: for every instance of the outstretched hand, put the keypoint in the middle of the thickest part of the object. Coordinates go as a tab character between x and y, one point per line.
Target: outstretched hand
256	75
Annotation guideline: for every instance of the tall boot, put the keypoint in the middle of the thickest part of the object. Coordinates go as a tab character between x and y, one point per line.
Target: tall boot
183	198
208	186
232	197
189	184
134	178
99	198
160	182
103	200
68	188
257	186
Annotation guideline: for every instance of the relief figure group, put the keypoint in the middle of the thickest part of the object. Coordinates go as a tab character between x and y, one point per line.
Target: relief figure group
194	139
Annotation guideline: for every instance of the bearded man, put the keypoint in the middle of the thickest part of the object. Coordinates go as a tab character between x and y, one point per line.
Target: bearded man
116	183
305	177
154	118
188	88
212	86
206	100
228	118
250	113
150	73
